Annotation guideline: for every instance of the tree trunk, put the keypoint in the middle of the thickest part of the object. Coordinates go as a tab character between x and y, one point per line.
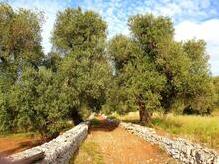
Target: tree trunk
76	117
145	115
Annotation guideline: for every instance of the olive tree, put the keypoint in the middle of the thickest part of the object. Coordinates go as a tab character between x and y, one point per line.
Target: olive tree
20	46
216	87
80	37
137	84
20	38
156	72
200	93
178	62
36	104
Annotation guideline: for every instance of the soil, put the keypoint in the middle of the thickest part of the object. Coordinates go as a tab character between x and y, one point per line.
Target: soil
114	145
13	144
118	146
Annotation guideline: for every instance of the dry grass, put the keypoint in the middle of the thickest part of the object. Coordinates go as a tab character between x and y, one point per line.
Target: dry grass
130	117
197	128
216	112
88	153
201	129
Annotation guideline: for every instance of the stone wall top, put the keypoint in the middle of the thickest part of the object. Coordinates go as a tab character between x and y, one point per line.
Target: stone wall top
58	150
180	149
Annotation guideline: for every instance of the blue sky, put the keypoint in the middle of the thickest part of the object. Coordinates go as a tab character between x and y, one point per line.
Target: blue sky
192	18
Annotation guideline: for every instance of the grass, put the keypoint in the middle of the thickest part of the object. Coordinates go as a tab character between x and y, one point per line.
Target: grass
201	129
95	122
197	128
19	135
130	117
88	153
216	112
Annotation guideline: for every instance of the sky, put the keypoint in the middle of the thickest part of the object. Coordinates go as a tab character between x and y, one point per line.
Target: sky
197	19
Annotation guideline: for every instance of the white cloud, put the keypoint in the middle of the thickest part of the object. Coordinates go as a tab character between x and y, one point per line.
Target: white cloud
112	12
116	13
207	30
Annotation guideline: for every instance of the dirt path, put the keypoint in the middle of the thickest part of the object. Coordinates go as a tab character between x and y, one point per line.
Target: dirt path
107	143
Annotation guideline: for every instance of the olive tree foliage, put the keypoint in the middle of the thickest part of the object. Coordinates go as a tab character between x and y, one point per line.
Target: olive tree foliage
137	84
184	65
19	44
19	41
151	32
19	36
72	82
78	30
80	37
216	87
52	61
30	96
200	91
34	104
153	71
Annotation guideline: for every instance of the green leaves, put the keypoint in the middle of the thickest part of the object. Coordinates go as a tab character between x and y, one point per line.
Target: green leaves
84	70
148	71
87	78
216	88
184	65
42	106
19	46
199	82
77	30
20	35
150	31
152	68
135	77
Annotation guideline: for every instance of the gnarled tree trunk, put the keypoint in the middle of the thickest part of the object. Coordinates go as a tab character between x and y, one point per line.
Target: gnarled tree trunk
145	115
76	117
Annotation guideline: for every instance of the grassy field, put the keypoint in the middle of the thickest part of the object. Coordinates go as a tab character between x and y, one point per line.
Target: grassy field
201	129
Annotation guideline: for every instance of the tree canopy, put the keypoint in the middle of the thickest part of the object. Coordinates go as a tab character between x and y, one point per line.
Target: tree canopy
178	62
216	84
84	72
77	30
81	37
157	73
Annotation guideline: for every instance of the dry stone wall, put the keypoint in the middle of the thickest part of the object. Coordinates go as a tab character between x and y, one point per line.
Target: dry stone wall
180	149
58	150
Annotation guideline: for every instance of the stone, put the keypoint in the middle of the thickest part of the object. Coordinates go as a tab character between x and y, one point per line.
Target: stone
58	150
182	150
